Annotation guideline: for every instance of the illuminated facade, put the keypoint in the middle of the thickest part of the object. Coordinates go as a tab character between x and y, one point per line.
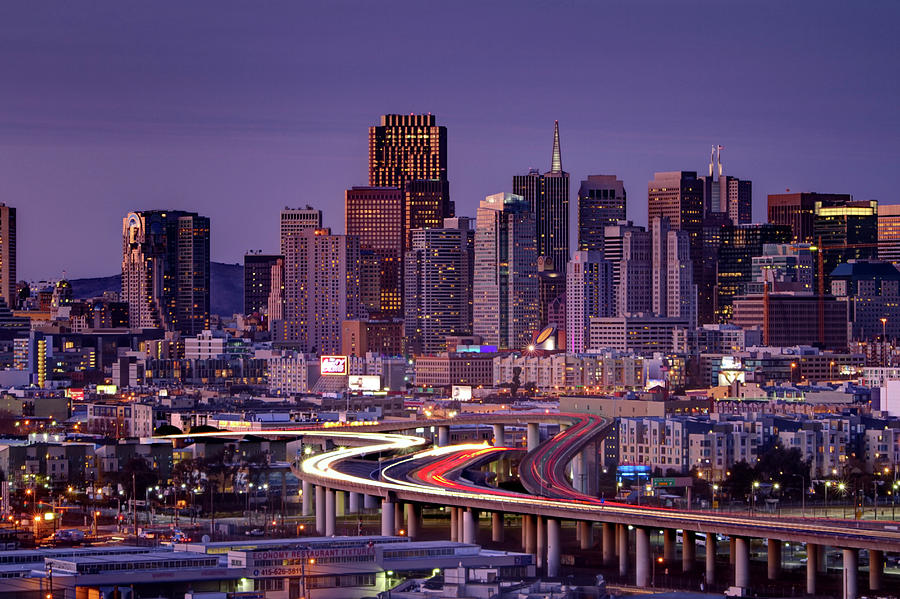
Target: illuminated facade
589	293
850	224
627	248
404	148
258	282
797	210
601	203
294	220
8	255
374	215
165	270
889	233
426	205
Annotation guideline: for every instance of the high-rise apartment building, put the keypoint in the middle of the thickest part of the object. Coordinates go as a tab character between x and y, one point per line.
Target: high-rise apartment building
437	287
375	216
258	282
601	203
405	148
548	197
321	289
681	290
165	270
627	248
506	285
8	255
889	233
295	220
589	294
426	205
797	210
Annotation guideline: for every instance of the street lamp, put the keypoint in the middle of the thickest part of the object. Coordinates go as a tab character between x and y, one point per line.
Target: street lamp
753	496
715	489
793	367
883	341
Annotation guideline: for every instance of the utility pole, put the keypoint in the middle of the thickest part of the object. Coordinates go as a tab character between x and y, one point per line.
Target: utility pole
134	503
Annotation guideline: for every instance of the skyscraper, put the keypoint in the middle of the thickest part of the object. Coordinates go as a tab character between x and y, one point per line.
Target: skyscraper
8	255
165	270
426	205
682	292
295	220
627	248
506	285
548	197
437	287
375	216
846	231
889	233
405	148
589	294
797	211
724	194
258	282
601	203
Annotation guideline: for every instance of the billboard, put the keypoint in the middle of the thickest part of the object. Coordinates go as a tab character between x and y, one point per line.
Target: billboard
333	365
461	392
364	382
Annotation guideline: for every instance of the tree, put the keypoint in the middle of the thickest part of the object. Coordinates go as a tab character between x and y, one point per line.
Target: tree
739	482
516	380
138	475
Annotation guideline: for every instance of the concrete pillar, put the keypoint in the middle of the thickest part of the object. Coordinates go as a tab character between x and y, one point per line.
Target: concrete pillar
876	569
533	436
499	436
497	527
669	546
731	542
443	436
354	502
812	560
370	502
741	562
622	541
585	533
469	517
609	544
711	542
307	498
330	513
851	567
541	548
578	472
774	560
688	550
553	547
340	505
398	516
387	518
460	525
320	510
454	524
413	520
642	557
821	563
529	532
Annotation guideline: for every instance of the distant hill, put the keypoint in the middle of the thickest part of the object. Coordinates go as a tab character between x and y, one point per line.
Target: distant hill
226	282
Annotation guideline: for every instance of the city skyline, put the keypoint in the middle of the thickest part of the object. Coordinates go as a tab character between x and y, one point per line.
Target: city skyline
100	120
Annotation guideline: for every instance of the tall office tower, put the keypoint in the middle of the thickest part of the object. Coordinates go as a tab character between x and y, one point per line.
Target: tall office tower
8	255
678	195
276	294
467	224
551	285
506	285
589	294
783	267
738	246
295	220
797	211
724	194
321	289
627	248
165	270
426	205
659	260
548	196
405	148
845	232
601	203
436	288
375	216
889	233
370	281
258	282
682	292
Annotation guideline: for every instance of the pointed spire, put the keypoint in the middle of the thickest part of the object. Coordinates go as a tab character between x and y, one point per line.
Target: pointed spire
556	159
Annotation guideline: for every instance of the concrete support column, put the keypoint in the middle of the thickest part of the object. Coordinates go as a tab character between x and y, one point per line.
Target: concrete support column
812	560
585	533
876	569
642	557
774	560
370	502
469	516
609	544
622	541
529	533
669	545
821	565
443	436
460	525
710	559
454	524
541	548
741	562
851	567
354	502
497	527
413	520
330	513
307	498
398	516
578	472
553	547
688	550
731	542
533	438
387	518
499	436
320	510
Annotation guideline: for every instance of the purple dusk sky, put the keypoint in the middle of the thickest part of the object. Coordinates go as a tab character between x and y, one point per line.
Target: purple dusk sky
236	109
